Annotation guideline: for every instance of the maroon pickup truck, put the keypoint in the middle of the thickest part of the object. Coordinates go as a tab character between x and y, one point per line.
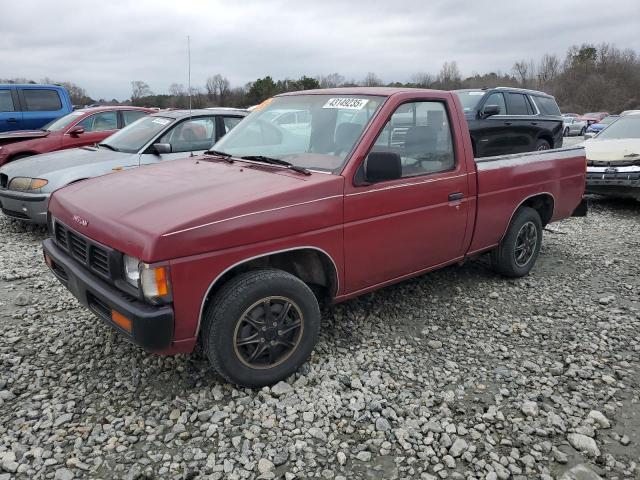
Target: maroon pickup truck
318	195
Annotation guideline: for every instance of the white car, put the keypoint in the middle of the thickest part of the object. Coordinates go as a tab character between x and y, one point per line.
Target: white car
613	159
573	125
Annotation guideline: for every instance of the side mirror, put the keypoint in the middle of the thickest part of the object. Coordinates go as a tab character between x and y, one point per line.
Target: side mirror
161	148
589	135
381	166
75	131
490	110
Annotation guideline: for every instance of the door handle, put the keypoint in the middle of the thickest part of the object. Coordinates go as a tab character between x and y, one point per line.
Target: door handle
534	123
456	196
508	123
11	120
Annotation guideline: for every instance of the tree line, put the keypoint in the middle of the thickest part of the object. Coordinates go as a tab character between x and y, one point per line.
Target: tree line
588	78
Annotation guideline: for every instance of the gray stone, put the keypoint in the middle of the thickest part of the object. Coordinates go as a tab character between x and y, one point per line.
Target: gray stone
281	388
582	443
580	472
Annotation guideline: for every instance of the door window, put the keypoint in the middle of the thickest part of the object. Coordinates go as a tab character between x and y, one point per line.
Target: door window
420	133
191	135
497	98
517	104
41	100
100	122
6	102
130	116
547	105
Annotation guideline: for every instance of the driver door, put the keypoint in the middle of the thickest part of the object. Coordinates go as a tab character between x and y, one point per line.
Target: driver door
399	227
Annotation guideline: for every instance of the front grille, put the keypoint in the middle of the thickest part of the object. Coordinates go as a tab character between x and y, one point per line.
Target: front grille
91	254
613	163
60	272
4	180
14	214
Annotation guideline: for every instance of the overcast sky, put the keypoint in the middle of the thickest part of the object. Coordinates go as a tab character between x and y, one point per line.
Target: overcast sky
102	46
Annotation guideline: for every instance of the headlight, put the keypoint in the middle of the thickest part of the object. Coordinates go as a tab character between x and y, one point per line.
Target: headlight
26	183
154	281
132	270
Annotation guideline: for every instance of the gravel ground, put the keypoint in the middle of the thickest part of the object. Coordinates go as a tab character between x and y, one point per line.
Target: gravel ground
457	374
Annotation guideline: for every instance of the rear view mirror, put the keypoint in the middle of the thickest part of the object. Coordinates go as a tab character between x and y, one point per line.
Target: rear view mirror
381	166
161	148
75	131
490	110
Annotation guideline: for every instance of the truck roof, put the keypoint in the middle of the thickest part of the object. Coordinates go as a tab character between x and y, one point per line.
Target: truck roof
380	91
178	114
31	85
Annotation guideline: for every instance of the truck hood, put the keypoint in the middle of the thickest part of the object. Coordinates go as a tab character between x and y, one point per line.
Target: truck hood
21	135
47	165
611	150
190	206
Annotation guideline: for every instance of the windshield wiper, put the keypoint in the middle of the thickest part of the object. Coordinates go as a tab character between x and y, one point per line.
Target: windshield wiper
223	155
277	161
110	147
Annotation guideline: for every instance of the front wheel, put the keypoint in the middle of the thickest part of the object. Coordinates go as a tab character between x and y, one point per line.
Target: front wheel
519	249
566	132
260	327
542	145
583	131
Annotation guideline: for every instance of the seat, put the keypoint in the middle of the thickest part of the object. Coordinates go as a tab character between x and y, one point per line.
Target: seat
346	135
421	140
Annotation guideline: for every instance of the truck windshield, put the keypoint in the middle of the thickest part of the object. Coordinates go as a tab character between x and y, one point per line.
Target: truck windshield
136	135
624	127
312	131
63	122
469	98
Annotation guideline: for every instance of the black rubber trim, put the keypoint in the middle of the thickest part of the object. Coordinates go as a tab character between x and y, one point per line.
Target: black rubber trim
152	325
21	196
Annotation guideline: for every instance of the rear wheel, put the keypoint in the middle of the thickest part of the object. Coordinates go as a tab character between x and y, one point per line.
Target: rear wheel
260	327
542	145
518	251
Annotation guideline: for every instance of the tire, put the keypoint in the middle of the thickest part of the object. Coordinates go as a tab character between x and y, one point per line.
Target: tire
542	145
237	313
583	131
566	132
525	228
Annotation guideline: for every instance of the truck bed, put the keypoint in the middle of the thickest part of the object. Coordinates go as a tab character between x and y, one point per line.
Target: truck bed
506	181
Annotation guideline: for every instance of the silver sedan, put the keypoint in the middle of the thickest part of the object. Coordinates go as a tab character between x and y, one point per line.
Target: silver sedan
27	184
574	126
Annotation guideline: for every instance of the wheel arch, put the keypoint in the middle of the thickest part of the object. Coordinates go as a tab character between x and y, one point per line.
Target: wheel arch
313	265
543	203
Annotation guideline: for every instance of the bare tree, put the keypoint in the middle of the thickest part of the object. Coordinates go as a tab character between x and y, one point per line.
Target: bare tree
449	76
139	89
217	88
332	80
422	80
371	80
177	90
548	70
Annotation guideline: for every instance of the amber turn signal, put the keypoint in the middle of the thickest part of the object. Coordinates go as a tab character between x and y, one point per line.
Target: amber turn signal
120	320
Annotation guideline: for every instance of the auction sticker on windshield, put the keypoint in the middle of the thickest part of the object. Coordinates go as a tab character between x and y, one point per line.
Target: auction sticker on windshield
161	121
346	103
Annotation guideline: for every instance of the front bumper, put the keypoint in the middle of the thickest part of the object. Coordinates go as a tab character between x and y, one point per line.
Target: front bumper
29	207
152	326
618	181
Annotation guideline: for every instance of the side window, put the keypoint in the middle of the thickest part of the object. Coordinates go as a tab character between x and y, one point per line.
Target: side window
130	116
230	123
100	122
191	135
41	100
497	98
420	133
547	105
517	104
6	102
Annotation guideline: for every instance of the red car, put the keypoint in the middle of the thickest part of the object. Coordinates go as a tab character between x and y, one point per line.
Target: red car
235	248
593	117
76	129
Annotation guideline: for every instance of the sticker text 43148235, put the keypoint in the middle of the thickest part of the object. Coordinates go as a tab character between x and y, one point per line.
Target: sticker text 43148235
346	103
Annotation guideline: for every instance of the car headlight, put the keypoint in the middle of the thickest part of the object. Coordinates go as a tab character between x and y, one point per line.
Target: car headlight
154	281
26	183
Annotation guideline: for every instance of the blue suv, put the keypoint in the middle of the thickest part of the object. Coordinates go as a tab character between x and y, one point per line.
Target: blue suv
31	106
